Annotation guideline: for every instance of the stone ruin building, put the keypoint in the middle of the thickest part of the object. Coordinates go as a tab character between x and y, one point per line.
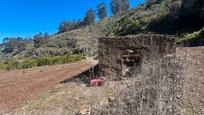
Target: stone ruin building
123	56
159	91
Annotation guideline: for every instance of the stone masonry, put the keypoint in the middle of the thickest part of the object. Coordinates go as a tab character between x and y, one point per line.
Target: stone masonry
121	57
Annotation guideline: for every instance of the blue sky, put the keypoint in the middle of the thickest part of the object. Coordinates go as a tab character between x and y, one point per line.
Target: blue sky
24	18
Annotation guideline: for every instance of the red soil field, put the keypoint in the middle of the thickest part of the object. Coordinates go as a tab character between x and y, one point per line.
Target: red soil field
19	86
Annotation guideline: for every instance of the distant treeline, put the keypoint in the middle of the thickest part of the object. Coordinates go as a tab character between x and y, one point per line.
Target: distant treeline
16	45
117	6
11	64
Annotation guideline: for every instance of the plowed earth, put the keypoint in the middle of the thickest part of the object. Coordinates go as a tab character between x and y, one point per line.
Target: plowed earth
19	86
195	91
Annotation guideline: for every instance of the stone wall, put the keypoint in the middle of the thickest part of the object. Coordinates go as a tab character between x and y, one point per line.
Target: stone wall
121	57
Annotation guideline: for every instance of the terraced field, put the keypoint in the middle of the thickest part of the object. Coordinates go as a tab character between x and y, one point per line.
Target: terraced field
19	86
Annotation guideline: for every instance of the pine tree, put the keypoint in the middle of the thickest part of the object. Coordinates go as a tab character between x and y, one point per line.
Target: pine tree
150	2
118	6
115	6
125	5
102	10
90	17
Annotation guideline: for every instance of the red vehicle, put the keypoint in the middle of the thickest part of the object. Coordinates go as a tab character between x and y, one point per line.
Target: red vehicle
97	82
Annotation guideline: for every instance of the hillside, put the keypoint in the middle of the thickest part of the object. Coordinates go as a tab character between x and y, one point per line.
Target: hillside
165	17
183	19
167	85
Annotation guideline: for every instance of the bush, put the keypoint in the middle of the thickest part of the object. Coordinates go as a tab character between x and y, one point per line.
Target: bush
47	60
188	36
75	57
69	25
28	63
42	61
128	26
11	64
57	60
2	66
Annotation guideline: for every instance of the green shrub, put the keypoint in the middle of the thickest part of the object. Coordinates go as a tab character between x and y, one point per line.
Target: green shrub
42	61
28	63
188	36
2	66
127	26
11	64
75	57
65	59
56	60
47	60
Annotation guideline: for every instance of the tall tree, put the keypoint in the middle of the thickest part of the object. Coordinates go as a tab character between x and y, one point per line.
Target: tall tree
118	6
115	6
125	5
14	45
5	39
67	25
90	17
102	10
46	35
38	39
150	2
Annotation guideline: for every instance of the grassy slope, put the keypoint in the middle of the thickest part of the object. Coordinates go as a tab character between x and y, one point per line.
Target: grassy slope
134	21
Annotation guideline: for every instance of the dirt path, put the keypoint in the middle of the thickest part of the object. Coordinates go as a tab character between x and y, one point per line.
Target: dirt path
19	86
196	80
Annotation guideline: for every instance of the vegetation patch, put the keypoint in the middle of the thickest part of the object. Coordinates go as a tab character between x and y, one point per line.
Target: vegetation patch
188	36
11	64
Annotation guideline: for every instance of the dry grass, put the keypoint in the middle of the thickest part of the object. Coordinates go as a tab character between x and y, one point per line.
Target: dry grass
68	98
159	90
